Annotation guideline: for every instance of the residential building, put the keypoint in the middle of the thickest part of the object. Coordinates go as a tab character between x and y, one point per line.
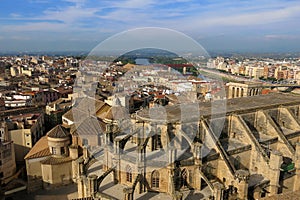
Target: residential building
25	130
7	155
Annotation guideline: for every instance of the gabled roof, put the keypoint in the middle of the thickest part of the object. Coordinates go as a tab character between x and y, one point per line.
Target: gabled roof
88	104
86	107
91	126
40	149
58	132
116	113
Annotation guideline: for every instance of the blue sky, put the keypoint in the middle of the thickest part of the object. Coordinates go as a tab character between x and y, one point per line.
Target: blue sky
225	25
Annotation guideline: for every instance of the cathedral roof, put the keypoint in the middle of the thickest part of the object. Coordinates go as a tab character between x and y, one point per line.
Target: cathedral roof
117	112
91	126
89	104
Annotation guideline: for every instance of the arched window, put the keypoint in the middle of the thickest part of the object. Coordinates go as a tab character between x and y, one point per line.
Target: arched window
156	142
237	92
155	179
128	173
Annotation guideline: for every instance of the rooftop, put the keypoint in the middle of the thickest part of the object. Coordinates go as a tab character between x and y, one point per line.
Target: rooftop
175	113
58	132
91	126
40	149
285	196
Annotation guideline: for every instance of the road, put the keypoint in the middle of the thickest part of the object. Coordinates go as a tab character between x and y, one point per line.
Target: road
229	76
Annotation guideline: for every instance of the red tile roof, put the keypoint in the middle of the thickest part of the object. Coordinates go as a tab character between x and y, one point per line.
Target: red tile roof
40	149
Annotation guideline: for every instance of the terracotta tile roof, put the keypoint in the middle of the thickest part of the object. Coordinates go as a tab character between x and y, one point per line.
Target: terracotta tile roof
58	132
40	149
56	161
69	115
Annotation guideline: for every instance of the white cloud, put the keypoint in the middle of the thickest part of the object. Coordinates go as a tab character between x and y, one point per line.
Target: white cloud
133	4
69	14
281	37
38	26
15	15
39	1
19	38
60	19
190	16
238	19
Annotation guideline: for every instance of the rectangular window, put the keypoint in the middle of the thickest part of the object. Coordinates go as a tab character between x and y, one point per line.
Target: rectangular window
53	150
62	150
190	177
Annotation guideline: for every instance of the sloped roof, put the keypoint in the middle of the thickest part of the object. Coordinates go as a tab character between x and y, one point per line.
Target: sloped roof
40	149
91	126
86	107
69	115
58	132
117	112
236	105
101	113
88	104
109	115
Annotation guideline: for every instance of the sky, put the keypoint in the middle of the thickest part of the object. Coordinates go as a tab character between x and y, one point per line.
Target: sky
218	25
